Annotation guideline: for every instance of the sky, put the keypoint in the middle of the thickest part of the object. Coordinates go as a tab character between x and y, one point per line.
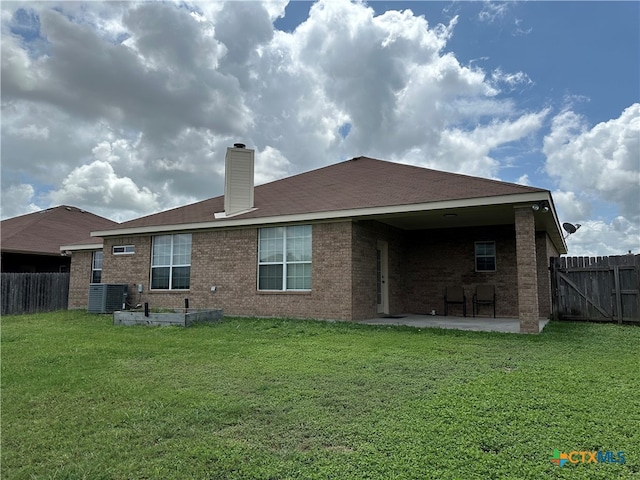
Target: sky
127	108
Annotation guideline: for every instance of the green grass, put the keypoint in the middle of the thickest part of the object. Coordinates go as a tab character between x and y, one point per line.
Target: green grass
261	399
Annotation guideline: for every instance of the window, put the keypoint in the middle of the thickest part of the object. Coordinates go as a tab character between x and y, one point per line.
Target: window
124	249
171	262
284	258
96	267
485	256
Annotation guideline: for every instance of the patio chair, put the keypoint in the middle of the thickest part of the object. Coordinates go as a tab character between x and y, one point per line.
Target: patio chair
456	296
485	295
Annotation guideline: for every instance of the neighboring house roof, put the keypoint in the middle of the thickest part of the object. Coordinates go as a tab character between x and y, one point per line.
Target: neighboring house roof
359	183
45	231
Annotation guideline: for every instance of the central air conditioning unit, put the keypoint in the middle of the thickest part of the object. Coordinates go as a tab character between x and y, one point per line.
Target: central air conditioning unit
107	297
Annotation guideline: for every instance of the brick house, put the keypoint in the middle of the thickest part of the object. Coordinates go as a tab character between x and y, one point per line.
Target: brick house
354	240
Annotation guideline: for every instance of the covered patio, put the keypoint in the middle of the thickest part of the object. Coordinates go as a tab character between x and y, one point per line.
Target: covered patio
421	257
476	324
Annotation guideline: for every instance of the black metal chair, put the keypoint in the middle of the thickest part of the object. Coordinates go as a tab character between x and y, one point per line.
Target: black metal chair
455	296
485	295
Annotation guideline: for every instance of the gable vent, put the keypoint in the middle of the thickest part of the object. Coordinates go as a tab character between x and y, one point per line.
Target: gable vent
238	180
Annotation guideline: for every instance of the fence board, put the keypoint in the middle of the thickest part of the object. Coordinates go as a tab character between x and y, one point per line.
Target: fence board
34	292
596	288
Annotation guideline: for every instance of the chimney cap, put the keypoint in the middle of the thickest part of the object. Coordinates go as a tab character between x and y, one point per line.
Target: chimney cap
239	145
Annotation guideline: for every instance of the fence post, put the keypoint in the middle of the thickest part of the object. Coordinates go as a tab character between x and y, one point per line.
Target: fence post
618	292
555	311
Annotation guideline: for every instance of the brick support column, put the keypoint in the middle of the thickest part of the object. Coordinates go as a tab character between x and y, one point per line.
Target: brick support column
527	271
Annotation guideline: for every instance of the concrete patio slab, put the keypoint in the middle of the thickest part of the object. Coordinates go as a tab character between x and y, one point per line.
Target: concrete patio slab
476	324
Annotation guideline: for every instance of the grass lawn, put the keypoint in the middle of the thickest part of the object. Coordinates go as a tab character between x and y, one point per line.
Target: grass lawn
260	399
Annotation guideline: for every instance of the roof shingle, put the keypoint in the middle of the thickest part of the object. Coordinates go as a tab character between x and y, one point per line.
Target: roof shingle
45	231
361	182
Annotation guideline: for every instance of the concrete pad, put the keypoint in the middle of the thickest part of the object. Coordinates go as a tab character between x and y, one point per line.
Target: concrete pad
476	324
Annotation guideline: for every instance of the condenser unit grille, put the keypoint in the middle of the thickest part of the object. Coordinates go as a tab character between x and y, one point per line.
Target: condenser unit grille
107	297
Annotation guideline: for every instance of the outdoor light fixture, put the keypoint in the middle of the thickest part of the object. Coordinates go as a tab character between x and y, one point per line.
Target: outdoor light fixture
544	206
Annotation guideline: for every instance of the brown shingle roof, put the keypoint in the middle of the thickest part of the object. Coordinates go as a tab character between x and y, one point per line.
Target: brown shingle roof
45	231
361	182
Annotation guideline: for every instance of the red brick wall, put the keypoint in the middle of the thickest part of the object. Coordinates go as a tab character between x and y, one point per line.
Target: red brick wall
545	250
421	264
132	269
528	305
79	279
365	243
436	259
227	259
332	288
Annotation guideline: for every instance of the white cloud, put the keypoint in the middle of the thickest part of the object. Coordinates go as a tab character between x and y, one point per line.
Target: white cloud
18	69
598	172
127	107
511	80
97	184
18	200
493	11
602	161
29	132
41	143
519	30
271	165
469	151
600	238
571	208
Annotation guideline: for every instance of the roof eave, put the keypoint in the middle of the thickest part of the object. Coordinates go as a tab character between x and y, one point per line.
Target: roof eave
330	215
29	252
557	237
79	247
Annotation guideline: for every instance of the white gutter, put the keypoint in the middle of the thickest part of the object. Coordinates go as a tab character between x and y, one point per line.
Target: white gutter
557	222
85	246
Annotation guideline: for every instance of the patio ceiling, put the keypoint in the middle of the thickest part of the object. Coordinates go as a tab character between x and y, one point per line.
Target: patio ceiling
473	216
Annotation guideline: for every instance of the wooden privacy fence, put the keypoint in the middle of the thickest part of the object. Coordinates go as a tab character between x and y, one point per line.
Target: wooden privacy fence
596	288
34	292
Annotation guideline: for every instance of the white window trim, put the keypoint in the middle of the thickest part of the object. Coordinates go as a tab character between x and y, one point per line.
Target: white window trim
284	263
126	249
171	266
494	256
93	264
